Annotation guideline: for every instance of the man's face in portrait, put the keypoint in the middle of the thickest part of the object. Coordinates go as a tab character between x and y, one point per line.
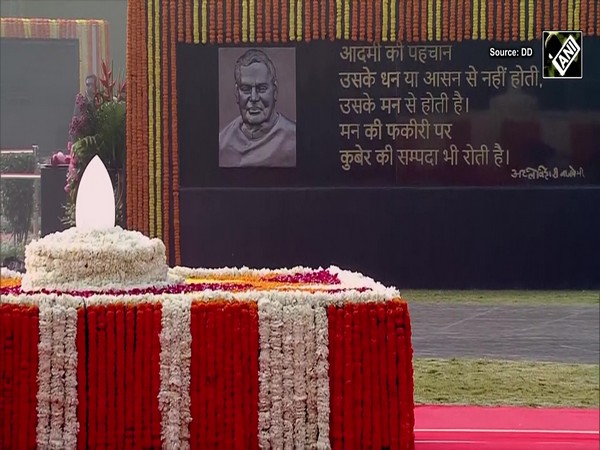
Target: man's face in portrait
256	94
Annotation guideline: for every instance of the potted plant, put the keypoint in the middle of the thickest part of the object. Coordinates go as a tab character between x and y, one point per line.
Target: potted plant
98	129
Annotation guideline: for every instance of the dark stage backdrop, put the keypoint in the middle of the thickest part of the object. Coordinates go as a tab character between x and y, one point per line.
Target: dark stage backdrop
39	79
426	166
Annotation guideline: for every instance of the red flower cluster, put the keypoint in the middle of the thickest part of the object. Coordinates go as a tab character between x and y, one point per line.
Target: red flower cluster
315	277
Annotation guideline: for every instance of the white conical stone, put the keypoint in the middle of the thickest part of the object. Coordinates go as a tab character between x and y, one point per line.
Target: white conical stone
95	205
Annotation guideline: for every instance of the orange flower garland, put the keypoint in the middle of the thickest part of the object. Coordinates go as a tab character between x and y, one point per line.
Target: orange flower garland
259	20
236	21
188	21
424	23
460	17
315	19
354	20
378	19
409	21
452	20
498	34
276	19
415	14
168	35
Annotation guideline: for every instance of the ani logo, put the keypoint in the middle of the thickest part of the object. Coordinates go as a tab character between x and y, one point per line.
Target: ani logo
563	54
95	205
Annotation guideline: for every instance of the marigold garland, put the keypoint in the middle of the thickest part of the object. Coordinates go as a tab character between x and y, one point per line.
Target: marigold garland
498	30
292	20
168	37
218	11
308	23
276	31
370	31
331	19
315	19
453	7
212	19
363	20
158	117
252	37
515	24
530	34
424	22
260	5
591	17
415	21
188	21
299	9
149	201
205	25
386	18
464	13
236	21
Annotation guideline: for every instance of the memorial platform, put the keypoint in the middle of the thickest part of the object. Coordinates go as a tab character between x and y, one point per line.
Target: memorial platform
233	358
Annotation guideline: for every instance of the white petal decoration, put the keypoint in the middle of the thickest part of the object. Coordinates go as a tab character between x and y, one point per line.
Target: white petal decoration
95	205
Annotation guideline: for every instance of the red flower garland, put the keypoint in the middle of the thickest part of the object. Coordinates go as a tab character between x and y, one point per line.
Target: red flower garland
196	423
111	388
130	398
100	355
156	310
120	374
367	382
92	328
33	351
253	373
377	388
394	420
347	380
140	371
384	379
149	414
357	390
402	382
21	365
236	337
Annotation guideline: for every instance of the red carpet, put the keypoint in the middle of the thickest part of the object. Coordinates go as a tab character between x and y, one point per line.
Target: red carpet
502	428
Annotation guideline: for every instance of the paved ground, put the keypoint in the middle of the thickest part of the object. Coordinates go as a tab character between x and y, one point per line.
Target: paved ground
540	333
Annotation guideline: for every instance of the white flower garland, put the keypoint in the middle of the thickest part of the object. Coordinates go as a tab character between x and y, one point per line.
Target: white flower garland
57	398
264	369
276	378
310	340
70	368
322	372
300	315
175	358
45	350
288	373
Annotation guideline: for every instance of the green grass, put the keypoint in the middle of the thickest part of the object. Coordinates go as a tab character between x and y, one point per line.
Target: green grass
508	297
492	382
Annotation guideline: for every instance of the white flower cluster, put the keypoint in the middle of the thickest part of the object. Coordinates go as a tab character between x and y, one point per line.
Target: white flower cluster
7	273
95	260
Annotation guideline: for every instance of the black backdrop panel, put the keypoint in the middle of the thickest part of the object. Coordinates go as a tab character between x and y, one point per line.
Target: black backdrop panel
39	82
433	238
413	226
552	123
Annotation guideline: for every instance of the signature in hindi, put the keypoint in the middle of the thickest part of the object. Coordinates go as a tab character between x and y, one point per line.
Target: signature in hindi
547	173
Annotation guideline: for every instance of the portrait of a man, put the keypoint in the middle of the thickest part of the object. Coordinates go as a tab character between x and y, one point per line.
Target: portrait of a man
261	135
